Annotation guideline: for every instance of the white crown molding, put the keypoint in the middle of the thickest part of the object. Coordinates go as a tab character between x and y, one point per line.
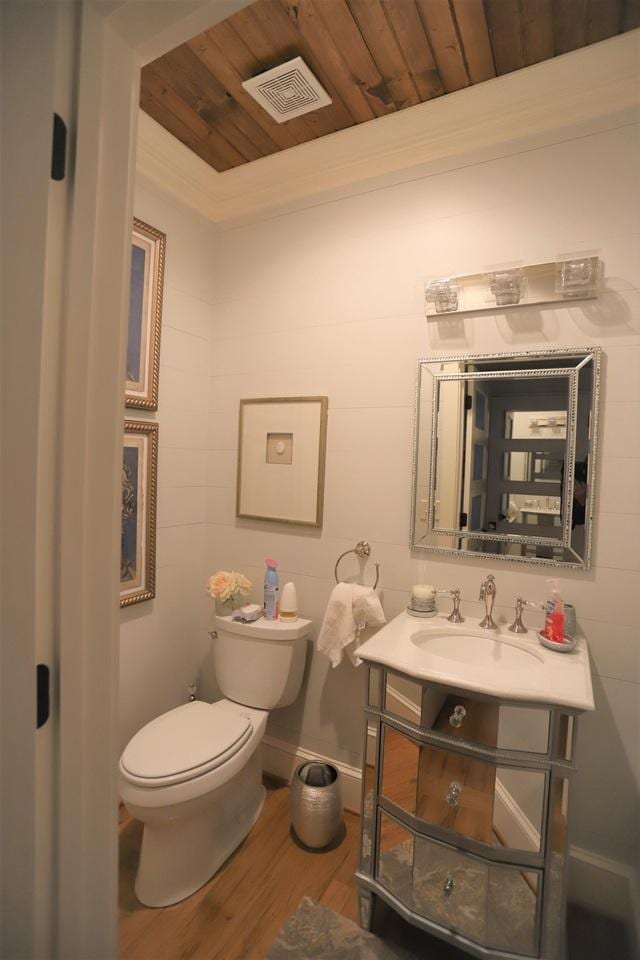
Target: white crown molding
581	86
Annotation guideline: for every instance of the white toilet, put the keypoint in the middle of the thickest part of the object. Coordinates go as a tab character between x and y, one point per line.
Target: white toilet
193	776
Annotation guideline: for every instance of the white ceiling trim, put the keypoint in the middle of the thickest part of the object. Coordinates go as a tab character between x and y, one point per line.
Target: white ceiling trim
583	85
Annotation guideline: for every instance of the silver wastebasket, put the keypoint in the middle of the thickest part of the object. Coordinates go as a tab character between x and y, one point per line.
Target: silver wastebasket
315	803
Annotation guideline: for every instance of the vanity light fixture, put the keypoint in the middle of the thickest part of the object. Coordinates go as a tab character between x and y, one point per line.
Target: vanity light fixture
506	286
577	278
443	293
571	276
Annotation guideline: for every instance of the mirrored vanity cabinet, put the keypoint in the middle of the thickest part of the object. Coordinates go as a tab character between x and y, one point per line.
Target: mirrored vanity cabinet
464	811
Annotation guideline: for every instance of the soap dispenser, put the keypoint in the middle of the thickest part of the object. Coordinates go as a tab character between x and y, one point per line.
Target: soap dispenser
554	614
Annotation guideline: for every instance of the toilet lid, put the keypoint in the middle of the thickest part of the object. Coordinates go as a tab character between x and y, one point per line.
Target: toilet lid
184	743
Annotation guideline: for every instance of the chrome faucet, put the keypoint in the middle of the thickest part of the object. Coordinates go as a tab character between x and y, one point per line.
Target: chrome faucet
488	594
455	616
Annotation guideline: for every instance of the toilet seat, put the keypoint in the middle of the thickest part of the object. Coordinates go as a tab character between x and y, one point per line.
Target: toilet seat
184	744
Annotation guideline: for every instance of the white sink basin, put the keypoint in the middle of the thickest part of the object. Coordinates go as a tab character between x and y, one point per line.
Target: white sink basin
498	663
497	653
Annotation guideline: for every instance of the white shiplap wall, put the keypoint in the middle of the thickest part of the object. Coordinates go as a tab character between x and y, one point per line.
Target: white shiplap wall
163	642
328	300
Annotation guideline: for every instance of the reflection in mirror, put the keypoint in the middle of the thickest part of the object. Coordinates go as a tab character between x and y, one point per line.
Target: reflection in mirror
450	888
403	698
489	723
470	797
395	858
375	679
368	805
511	909
505	451
400	758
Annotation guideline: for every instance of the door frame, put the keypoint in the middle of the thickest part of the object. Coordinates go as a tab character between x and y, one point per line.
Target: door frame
62	417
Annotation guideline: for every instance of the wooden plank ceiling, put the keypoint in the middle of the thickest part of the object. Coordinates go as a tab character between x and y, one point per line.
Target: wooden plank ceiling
372	56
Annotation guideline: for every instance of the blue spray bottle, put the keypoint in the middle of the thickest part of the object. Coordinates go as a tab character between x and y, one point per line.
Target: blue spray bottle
271	590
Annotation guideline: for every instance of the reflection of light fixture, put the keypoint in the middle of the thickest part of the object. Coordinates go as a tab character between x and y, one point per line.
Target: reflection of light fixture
577	277
506	286
443	293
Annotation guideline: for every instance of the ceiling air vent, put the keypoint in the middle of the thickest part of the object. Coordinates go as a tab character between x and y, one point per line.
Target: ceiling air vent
288	91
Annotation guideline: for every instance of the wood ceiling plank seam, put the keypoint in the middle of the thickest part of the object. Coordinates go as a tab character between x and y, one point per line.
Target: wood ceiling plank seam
507	34
604	18
358	64
376	32
322	57
201	91
218	145
537	22
631	18
276	22
207	50
272	51
439	27
473	32
406	24
159	112
317	32
569	25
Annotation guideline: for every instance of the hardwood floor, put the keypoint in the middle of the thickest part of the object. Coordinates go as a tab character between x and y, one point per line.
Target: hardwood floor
238	914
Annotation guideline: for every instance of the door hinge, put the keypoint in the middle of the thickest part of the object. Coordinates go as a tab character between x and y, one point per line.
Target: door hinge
58	148
463	520
468	401
42	694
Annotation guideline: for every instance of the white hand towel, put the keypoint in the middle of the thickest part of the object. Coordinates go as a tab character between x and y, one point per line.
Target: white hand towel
350	610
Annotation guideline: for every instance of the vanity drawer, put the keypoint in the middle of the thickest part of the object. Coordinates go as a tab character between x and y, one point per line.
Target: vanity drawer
462	716
476	799
494	905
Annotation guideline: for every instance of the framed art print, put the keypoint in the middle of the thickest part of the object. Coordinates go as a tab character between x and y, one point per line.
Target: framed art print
138	521
145	314
281	459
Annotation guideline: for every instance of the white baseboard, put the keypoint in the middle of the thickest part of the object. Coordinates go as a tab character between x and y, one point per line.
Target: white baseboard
281	759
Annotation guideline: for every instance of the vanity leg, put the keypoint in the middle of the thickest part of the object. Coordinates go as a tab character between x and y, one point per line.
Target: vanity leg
366	904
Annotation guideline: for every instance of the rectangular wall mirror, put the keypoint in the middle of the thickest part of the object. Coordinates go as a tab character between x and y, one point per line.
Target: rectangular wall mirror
505	455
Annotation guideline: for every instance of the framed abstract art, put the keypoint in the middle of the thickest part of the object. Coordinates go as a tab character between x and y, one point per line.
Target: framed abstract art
145	315
138	519
281	459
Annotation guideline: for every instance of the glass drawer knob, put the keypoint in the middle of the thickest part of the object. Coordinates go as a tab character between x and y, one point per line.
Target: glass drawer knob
458	715
453	794
449	884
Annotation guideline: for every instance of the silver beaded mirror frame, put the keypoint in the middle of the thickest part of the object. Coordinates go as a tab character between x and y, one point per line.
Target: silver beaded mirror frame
505	452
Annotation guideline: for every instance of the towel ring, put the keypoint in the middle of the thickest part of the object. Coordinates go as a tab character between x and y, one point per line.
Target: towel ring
361	549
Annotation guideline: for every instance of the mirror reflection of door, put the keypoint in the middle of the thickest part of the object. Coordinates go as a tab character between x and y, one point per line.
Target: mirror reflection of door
449	456
528	452
474	503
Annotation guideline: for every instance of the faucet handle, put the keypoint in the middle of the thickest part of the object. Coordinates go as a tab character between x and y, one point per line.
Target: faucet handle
455	616
518	626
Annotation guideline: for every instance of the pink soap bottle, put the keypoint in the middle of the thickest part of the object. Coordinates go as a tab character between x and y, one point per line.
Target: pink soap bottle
554	615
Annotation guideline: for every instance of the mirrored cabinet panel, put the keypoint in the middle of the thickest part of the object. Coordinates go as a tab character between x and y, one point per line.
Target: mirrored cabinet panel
469	797
368	796
375	686
403	698
505	455
487	722
493	904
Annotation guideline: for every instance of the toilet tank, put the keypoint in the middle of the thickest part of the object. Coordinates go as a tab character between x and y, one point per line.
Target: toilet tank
260	664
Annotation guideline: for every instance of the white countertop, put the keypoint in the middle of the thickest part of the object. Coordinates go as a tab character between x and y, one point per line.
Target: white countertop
498	663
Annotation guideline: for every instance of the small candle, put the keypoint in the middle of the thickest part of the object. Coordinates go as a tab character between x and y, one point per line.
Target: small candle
423	591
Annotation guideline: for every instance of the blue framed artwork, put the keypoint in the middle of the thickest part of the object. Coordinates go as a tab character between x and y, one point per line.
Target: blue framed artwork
138	519
145	315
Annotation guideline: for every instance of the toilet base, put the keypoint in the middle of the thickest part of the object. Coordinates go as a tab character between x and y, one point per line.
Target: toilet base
185	845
